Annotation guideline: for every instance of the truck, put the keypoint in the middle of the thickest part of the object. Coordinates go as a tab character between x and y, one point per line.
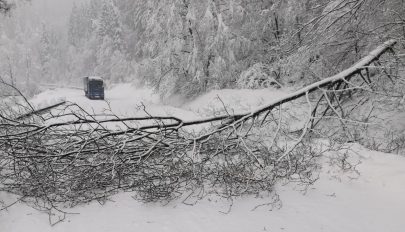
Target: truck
94	87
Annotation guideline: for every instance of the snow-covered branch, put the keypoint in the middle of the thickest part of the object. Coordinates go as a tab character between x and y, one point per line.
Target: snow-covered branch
69	155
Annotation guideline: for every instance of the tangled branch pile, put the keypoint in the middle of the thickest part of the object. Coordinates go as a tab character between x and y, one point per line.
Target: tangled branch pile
68	155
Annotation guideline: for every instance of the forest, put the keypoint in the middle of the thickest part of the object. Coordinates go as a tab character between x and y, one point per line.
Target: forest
188	47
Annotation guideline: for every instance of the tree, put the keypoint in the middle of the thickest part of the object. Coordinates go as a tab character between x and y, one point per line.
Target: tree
109	25
4	6
45	54
110	49
74	22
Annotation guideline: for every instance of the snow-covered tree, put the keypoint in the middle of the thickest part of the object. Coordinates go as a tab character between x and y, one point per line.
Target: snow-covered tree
109	25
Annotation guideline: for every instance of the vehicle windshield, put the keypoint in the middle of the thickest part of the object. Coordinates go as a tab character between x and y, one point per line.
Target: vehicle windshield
96	83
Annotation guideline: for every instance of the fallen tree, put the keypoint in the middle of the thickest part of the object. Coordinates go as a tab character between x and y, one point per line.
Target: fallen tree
40	111
70	156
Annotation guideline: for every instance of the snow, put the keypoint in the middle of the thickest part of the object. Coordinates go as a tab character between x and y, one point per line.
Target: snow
95	78
371	201
123	100
375	201
235	100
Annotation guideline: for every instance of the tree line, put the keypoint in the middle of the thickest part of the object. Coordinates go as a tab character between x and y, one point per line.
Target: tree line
189	47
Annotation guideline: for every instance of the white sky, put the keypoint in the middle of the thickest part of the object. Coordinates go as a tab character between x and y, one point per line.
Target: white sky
54	13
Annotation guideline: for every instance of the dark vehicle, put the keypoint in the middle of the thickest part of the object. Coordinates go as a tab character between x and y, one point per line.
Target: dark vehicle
94	87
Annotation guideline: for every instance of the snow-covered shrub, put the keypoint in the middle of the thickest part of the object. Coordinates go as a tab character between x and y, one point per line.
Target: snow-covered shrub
257	76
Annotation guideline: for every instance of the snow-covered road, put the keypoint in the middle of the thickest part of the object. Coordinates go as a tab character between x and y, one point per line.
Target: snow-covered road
373	201
123	100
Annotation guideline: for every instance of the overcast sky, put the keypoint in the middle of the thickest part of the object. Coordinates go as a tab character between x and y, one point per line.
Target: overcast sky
52	12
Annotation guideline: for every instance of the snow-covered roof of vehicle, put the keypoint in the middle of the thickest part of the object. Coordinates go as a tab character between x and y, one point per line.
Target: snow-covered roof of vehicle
96	78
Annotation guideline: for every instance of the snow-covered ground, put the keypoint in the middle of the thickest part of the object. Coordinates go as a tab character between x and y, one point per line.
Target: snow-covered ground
372	201
123	100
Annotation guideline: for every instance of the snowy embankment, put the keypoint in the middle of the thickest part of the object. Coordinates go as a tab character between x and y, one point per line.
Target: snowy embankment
371	201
